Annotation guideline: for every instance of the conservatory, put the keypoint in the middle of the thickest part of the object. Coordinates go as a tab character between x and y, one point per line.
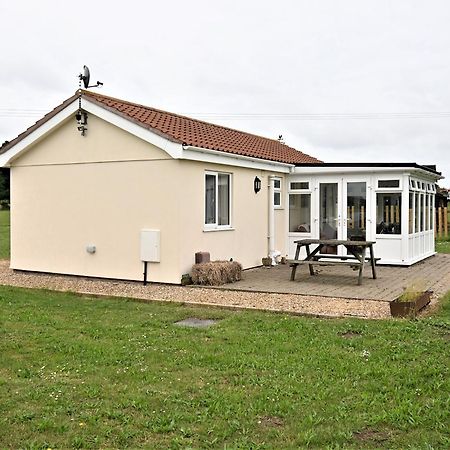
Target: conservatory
391	204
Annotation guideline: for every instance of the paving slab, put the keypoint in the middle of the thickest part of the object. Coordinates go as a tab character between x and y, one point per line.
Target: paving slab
193	322
341	281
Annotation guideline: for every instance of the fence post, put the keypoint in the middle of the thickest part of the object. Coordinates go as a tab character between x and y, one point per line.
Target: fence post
439	222
445	221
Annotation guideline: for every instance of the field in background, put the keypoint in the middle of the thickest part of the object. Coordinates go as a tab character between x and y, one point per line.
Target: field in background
79	372
4	234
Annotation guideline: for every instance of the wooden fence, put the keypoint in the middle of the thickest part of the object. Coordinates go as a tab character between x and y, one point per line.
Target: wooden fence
442	222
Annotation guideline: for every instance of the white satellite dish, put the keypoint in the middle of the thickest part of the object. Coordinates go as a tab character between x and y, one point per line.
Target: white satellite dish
86	76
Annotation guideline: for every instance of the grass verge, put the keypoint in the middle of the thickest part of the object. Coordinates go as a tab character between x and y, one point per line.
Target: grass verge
443	245
78	372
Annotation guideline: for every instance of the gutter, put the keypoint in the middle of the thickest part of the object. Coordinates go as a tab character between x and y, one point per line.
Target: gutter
349	168
269	165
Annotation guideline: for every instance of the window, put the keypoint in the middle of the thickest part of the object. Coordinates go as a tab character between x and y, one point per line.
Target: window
277	193
388	183
417	214
422	212
297	185
217	199
300	213
389	213
411	212
430	211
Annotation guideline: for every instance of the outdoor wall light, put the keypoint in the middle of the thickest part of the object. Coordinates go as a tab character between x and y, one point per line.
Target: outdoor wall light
81	118
257	185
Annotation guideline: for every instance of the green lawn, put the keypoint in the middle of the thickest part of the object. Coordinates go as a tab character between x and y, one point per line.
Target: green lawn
78	372
4	234
443	245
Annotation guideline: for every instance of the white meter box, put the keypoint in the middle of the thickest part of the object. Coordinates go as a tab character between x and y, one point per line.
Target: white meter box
150	245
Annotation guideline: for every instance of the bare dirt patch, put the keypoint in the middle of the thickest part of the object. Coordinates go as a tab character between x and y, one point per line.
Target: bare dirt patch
371	435
271	421
350	334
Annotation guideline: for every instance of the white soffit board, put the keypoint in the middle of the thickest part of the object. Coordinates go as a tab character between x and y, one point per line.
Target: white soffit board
35	136
230	159
174	149
309	170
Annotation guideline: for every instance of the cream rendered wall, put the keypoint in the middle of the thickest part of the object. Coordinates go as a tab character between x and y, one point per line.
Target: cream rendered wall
69	191
247	241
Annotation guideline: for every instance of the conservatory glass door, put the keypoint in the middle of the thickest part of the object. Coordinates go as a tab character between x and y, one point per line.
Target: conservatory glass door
355	211
342	212
329	219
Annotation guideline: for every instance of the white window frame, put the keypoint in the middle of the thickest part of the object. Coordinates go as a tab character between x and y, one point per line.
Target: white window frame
387	190
279	191
299	190
215	226
393	188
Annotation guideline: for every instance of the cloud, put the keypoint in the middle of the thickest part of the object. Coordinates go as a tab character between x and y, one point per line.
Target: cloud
234	57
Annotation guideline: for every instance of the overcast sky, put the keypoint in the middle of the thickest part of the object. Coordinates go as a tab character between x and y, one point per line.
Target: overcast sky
344	81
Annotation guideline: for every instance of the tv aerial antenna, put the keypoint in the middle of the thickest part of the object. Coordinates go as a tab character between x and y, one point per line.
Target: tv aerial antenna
82	116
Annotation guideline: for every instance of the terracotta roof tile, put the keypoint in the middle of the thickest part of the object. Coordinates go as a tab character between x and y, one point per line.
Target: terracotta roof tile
185	130
198	133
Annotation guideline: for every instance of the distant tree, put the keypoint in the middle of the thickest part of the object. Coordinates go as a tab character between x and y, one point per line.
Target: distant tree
4	184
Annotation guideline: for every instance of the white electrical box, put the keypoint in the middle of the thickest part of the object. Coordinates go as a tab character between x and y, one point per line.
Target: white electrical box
150	245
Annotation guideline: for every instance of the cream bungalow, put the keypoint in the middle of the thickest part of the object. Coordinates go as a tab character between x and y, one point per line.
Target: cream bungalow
98	178
100	185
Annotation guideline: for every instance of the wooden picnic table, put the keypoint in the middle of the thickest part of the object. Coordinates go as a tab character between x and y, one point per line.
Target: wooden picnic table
357	257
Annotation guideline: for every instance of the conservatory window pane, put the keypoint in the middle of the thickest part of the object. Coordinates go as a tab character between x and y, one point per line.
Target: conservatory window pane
427	213
417	221
422	212
300	213
411	213
295	185
389	213
431	204
389	183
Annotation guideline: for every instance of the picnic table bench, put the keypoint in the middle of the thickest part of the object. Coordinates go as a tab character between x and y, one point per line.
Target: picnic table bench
357	257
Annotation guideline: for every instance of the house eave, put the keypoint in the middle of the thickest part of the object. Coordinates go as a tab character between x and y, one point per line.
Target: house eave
193	153
39	133
348	168
174	149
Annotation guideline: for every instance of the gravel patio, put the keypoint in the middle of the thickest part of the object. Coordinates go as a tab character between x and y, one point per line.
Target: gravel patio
330	294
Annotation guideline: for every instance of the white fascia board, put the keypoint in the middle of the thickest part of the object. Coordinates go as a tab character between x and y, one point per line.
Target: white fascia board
23	145
320	170
230	159
174	149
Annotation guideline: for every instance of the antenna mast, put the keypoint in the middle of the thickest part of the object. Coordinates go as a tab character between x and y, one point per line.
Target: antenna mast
81	116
